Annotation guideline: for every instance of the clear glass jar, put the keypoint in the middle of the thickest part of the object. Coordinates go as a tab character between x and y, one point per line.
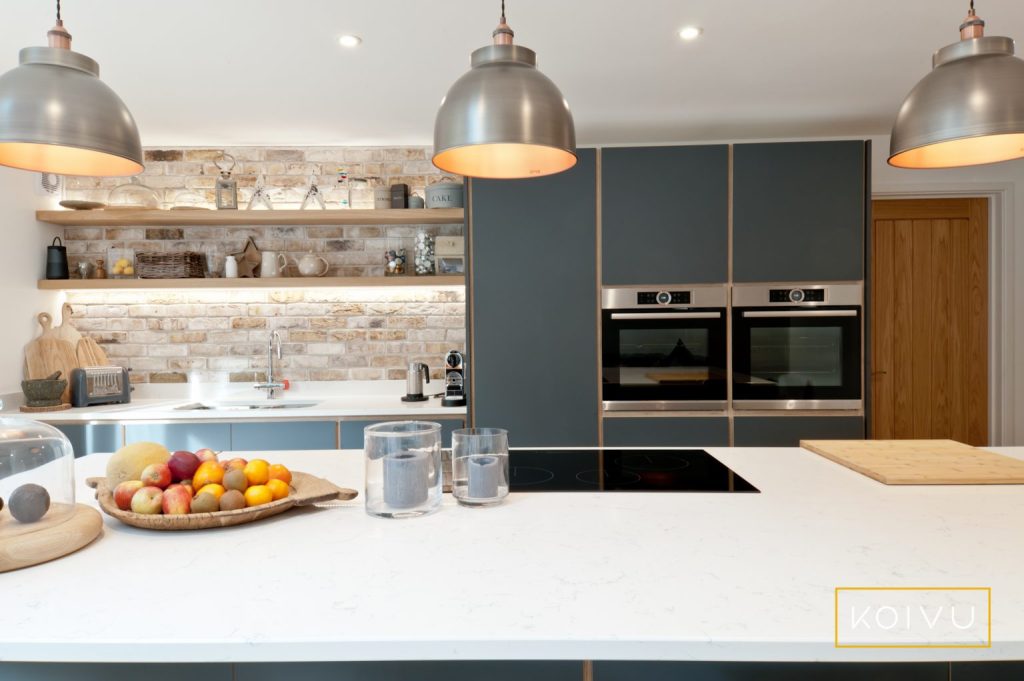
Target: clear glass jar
403	468
423	253
133	196
479	466
122	263
395	258
37	477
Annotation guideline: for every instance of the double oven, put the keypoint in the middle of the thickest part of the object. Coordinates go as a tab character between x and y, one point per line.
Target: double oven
793	347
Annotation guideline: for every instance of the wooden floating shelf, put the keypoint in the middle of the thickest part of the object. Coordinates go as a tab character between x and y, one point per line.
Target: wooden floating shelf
247	283
120	218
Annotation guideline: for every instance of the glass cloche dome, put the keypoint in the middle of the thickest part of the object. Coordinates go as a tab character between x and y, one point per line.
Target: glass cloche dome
133	196
37	477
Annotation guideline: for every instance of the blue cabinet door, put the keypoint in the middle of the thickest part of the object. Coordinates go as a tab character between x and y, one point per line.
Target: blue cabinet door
352	431
187	436
92	438
787	431
661	431
283	435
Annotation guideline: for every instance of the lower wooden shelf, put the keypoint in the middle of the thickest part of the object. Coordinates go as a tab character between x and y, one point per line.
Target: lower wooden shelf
281	282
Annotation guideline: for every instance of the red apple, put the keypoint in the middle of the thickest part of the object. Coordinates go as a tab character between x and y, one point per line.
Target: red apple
183	465
124	492
176	500
148	500
187	484
157	475
205	454
237	462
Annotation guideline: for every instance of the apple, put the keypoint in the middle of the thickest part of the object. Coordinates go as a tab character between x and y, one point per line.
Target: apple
176	500
182	465
205	454
187	484
148	500
124	492
157	475
237	462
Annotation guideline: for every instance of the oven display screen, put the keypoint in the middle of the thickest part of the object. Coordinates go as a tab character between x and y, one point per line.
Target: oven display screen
796	356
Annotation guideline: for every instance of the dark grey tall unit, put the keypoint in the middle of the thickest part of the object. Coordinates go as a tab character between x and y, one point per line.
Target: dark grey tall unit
532	306
799	211
665	215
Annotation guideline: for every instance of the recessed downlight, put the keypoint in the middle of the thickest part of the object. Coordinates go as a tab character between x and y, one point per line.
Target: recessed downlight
350	41
689	33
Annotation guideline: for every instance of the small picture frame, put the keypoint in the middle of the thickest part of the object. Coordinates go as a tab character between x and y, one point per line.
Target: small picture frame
451	264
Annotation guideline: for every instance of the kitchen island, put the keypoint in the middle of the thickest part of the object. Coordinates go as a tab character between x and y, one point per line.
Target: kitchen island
545	576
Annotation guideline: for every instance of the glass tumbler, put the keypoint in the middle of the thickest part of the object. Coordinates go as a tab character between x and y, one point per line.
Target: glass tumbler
480	466
403	468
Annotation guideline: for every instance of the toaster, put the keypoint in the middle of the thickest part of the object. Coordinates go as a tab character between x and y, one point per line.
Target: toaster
100	385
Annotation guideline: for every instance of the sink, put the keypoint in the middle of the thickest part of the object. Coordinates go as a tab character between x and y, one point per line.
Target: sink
244	406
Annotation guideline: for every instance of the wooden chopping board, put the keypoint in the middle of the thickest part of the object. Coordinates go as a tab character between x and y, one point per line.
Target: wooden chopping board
66	330
90	354
48	354
921	462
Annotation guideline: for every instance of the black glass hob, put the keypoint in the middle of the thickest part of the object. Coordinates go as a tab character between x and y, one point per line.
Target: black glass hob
621	470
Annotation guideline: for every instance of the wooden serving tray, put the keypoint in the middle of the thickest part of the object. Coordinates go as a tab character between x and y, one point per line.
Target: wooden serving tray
306	490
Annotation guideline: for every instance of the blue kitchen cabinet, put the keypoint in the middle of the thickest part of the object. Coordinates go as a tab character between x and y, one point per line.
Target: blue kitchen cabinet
787	431
513	670
662	431
92	438
32	671
176	436
284	435
770	671
352	431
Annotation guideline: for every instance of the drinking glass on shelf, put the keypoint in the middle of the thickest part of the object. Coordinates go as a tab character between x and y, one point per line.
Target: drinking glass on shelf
480	466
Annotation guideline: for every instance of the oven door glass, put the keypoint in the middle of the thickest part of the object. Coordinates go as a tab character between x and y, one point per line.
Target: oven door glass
668	355
796	354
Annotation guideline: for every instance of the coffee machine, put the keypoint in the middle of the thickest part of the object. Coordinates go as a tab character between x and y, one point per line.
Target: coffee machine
454	380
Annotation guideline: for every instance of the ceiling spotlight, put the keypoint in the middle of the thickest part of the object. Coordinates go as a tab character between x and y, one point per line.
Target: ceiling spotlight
689	33
350	41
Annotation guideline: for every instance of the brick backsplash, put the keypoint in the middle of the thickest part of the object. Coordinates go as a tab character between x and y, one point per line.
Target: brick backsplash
216	335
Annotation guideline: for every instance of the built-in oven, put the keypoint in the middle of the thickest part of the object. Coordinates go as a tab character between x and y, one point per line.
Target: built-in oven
664	348
797	346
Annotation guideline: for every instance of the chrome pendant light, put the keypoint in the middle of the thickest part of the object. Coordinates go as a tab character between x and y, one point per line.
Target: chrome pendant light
57	116
969	110
504	119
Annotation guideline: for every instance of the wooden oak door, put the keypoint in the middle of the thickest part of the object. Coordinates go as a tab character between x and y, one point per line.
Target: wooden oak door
929	319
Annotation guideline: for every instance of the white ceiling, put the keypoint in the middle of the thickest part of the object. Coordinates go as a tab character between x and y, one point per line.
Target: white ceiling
270	72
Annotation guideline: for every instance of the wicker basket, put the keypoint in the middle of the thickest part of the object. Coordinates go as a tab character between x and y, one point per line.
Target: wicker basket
189	265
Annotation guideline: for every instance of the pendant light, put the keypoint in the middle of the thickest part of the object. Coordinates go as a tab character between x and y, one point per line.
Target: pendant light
969	110
504	119
57	116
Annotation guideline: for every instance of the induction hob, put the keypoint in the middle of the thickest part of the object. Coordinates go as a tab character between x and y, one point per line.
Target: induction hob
621	470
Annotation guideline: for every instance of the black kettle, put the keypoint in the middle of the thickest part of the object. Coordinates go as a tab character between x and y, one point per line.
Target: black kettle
57	260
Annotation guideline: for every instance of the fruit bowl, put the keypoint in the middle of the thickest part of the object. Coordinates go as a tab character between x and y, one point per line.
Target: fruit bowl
306	490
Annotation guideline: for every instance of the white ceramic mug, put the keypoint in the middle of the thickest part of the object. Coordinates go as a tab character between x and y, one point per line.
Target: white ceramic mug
273	264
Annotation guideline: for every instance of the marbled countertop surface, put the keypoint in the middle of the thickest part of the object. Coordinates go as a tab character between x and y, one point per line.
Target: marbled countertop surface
641	576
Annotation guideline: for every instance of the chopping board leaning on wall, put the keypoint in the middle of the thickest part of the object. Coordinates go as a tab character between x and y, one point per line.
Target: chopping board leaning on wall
49	353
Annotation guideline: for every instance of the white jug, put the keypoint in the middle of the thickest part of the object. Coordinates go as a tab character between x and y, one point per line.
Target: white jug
273	264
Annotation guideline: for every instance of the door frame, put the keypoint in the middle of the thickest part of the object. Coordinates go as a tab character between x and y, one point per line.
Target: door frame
1001	278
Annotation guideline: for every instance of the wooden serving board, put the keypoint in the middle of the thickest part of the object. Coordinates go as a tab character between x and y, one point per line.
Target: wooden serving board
56	535
306	490
921	462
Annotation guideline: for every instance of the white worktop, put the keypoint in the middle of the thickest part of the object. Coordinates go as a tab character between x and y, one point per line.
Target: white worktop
637	576
333	399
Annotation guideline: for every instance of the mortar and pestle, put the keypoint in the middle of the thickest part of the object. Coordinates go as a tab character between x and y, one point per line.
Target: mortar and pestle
44	392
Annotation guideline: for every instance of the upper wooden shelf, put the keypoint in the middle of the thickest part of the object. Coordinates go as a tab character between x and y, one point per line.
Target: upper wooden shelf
117	218
246	283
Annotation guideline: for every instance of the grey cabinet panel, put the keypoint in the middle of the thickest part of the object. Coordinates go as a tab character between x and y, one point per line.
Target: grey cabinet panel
533	306
798	211
27	671
787	431
352	431
188	436
268	437
409	671
698	431
92	438
665	215
987	671
764	671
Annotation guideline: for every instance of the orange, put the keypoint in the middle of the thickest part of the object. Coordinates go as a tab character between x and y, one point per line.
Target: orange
209	472
258	494
278	488
279	472
213	488
257	471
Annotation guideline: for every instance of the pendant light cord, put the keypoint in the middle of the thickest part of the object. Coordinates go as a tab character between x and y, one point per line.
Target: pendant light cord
503	9
58	11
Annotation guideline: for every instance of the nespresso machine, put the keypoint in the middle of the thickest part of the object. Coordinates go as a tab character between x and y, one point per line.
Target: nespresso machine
454	380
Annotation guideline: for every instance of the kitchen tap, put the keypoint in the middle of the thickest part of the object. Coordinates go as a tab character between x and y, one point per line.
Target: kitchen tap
272	385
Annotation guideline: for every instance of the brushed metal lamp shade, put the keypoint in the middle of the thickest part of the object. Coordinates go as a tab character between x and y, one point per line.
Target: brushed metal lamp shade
504	119
968	111
57	116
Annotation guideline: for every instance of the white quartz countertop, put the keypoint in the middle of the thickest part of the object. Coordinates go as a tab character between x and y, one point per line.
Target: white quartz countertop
328	400
635	576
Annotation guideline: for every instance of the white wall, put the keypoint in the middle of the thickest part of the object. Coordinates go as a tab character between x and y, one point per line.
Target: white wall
22	263
1009	316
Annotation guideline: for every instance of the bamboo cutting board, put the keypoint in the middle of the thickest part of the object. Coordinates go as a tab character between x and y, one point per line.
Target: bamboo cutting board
921	462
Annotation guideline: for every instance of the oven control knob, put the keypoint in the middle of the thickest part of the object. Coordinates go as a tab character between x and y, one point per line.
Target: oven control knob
796	296
663	298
